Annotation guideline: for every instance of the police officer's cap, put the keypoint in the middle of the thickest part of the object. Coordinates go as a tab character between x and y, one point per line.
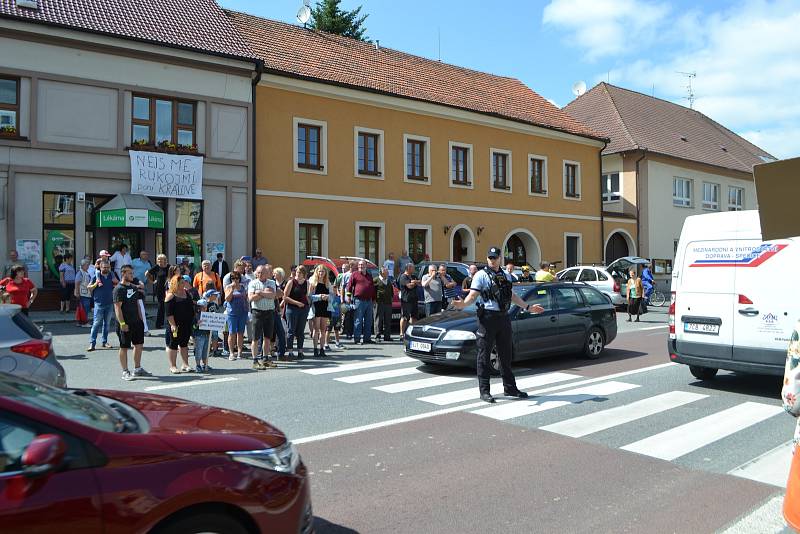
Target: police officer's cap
494	252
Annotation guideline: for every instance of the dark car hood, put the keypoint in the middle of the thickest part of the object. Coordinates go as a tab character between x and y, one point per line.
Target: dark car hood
451	320
191	427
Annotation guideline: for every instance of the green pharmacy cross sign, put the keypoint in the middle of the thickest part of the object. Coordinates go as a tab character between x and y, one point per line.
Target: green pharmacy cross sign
130	218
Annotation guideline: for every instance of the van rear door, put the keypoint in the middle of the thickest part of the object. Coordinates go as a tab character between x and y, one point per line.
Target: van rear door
766	307
704	301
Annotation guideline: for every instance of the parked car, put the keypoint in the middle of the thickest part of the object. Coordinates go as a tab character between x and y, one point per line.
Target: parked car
26	351
727	310
577	318
457	270
126	462
620	267
334	269
597	277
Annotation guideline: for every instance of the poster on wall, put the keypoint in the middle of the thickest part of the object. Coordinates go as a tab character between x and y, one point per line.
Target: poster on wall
212	249
30	253
166	175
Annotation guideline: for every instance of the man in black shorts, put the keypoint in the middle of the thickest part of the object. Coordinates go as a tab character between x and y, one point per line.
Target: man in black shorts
261	293
130	327
407	283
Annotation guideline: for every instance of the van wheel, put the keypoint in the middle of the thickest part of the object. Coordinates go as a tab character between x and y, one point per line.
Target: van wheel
703	373
595	343
203	523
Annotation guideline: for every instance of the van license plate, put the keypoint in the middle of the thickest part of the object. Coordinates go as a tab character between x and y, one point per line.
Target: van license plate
701	328
422	347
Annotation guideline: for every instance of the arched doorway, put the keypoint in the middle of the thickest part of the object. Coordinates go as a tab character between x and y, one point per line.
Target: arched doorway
521	247
462	244
619	244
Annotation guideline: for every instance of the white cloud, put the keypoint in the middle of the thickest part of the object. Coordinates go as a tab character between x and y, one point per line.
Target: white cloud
605	27
747	60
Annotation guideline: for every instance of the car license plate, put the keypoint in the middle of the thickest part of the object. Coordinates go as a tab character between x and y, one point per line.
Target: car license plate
422	347
701	328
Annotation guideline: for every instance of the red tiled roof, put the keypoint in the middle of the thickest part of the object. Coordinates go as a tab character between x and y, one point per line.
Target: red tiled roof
635	121
192	24
291	50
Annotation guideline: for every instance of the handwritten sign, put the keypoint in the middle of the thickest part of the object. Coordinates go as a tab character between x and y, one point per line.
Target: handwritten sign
166	175
211	321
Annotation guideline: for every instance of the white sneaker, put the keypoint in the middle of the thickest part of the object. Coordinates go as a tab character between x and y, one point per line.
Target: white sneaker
327	347
126	375
232	358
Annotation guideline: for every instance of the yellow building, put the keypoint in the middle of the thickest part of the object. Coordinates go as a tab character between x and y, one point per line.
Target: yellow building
363	150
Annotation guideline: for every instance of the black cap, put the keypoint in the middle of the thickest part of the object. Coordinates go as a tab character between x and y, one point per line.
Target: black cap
494	252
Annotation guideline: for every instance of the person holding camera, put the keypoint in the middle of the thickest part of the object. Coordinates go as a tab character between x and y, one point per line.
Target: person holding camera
492	288
409	299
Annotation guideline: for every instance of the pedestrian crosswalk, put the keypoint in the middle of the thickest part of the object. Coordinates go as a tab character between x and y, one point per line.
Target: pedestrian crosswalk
602	409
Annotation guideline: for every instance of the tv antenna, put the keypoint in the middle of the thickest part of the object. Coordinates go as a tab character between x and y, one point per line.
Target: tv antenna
690	92
304	14
578	88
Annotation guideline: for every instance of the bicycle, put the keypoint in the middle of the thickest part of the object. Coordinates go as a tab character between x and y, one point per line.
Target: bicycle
657	299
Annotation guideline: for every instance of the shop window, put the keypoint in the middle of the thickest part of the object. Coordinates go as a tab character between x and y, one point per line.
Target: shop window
58	236
662	266
189	231
91	205
165	122
9	107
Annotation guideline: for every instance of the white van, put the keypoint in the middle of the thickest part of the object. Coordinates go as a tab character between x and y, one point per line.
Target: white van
734	303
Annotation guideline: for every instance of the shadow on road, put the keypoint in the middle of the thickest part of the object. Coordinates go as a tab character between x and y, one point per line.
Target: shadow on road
323	526
768	387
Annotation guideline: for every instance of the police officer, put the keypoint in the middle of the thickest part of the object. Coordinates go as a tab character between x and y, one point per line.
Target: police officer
491	286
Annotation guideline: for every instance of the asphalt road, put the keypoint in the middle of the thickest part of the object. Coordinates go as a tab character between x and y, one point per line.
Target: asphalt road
626	443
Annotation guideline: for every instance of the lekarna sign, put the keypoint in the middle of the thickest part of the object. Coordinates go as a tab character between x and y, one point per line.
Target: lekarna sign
166	175
211	321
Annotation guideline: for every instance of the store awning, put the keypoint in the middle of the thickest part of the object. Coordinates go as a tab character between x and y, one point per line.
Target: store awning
130	211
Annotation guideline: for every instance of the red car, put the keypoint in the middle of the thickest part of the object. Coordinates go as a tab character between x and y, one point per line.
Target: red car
334	267
113	461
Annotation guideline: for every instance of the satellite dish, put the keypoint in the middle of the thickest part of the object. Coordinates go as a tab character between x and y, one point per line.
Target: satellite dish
578	88
304	14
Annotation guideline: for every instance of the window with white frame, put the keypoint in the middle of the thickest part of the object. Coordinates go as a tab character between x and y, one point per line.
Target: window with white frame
500	161
611	187
735	198
417	158
710	196
682	192
572	180
368	153
310	145
537	175
460	165
370	241
311	238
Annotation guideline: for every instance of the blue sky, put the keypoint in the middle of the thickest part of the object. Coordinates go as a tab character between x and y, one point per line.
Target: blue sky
746	53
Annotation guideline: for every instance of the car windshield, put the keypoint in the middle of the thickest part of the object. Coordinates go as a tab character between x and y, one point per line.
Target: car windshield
61	402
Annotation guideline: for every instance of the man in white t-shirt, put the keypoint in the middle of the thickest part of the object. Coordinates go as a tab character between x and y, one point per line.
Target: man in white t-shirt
120	258
389	264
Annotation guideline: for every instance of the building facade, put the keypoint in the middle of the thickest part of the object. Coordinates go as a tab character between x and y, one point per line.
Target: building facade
384	161
663	163
92	114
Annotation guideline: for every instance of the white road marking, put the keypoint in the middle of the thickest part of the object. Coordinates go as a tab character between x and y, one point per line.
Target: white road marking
684	439
380	375
471	394
443	411
548	402
412	385
605	419
766	519
643	329
772	467
191	383
356	366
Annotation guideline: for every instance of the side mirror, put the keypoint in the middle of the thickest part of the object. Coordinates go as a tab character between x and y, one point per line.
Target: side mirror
43	456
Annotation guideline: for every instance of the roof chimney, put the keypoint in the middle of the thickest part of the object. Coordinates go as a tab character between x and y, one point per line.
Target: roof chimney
29	4
377	44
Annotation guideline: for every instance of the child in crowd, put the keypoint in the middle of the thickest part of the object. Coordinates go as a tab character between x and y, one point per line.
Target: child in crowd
201	338
211	295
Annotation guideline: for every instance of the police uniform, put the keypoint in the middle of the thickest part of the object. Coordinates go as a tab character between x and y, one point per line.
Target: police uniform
494	290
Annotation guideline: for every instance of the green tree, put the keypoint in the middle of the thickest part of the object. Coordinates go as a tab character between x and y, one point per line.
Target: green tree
327	16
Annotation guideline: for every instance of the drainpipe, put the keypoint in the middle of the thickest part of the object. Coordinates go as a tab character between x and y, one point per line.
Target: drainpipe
638	224
253	129
602	221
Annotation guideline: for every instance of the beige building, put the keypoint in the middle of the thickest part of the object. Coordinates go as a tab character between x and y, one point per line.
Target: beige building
364	150
83	90
664	162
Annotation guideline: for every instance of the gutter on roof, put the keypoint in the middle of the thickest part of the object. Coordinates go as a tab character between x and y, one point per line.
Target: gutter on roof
296	76
135	39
